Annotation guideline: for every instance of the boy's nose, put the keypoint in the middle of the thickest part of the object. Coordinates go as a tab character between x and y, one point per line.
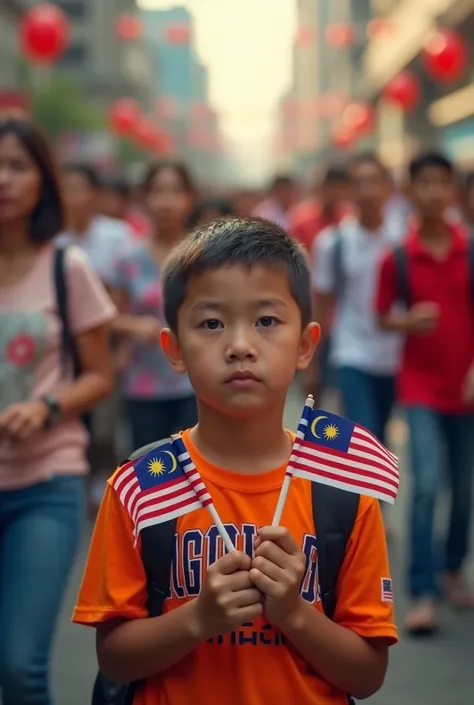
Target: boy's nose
241	347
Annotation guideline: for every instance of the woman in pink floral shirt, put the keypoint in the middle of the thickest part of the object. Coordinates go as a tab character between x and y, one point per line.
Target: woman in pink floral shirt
43	439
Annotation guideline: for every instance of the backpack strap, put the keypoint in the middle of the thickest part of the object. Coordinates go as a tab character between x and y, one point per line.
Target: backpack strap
401	270
68	343
334	515
338	264
157	550
470	255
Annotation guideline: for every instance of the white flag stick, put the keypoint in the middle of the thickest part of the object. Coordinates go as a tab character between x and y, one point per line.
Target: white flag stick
300	434
189	468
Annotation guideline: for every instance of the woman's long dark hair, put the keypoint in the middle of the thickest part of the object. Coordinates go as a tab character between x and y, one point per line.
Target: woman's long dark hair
47	219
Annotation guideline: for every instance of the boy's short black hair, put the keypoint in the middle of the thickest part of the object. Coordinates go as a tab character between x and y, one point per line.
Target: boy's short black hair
430	159
229	241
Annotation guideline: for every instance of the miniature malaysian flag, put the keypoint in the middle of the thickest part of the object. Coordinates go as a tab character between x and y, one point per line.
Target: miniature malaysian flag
341	453
157	488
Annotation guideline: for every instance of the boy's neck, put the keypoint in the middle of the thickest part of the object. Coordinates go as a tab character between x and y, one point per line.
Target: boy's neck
248	446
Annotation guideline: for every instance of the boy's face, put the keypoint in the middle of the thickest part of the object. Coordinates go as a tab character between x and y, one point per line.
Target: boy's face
432	192
240	339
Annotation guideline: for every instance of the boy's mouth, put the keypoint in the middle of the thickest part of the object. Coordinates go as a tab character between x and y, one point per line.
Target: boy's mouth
243	379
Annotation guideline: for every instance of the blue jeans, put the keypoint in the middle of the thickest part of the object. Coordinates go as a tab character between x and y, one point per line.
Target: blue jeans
367	399
39	532
434	438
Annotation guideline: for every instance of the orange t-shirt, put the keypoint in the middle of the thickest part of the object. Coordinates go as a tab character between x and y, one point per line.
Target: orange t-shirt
253	665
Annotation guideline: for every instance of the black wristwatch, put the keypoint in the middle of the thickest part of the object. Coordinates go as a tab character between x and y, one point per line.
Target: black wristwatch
54	410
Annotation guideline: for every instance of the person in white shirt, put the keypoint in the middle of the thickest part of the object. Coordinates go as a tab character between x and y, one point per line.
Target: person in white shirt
100	237
103	240
345	275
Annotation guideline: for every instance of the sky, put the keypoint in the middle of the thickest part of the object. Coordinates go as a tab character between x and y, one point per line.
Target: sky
246	45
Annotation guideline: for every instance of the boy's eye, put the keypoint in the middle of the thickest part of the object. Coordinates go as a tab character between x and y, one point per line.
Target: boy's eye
266	321
212	324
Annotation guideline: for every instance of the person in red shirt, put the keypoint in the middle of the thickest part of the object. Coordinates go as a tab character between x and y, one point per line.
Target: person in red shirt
436	381
331	205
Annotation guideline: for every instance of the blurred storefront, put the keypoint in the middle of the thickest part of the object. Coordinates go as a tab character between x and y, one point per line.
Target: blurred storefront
444	117
11	98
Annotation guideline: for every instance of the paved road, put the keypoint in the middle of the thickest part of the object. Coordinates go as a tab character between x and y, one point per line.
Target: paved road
433	672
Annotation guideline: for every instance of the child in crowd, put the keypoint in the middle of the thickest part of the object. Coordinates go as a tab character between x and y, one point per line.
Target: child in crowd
240	628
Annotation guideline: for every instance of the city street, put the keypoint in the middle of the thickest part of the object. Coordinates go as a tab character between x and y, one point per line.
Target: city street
434	672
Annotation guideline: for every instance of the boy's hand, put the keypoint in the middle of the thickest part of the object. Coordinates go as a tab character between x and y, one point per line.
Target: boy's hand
277	570
228	598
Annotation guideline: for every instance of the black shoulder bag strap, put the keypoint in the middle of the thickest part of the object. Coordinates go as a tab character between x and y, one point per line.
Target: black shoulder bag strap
401	269
69	351
334	515
470	255
338	262
157	555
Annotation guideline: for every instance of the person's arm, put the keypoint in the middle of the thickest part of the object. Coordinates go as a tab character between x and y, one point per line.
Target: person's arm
422	317
341	657
351	651
130	650
130	326
130	644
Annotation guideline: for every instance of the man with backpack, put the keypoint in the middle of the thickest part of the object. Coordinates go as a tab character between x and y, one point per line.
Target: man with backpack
345	271
432	274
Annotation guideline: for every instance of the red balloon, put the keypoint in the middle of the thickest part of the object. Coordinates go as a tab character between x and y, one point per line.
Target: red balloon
342	136
403	90
44	33
178	33
128	27
339	35
146	133
359	117
124	116
446	56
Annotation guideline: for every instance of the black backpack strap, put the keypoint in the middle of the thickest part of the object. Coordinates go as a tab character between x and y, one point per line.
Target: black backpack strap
69	351
338	263
157	549
157	555
334	515
401	269
470	255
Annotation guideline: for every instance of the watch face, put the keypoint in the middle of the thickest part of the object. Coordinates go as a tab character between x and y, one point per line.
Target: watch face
54	410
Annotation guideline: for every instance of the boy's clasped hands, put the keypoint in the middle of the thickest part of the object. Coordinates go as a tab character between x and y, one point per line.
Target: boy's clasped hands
238	589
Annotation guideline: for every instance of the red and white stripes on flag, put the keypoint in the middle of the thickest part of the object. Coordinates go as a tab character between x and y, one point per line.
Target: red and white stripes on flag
363	466
173	494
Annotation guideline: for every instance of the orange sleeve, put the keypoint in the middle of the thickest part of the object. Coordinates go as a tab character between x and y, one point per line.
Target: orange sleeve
363	606
114	582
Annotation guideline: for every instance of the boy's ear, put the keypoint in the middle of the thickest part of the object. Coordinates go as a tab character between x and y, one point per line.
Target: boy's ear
309	340
170	345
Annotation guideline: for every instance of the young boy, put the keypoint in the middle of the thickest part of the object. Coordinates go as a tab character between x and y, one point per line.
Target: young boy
247	627
436	381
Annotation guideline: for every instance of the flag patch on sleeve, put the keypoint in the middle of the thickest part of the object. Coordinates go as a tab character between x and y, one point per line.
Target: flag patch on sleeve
387	593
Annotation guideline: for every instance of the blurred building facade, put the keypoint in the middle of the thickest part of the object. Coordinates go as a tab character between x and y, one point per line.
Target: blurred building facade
181	83
10	95
106	66
445	116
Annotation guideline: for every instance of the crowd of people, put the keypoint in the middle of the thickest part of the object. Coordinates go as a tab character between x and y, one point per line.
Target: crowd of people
86	377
